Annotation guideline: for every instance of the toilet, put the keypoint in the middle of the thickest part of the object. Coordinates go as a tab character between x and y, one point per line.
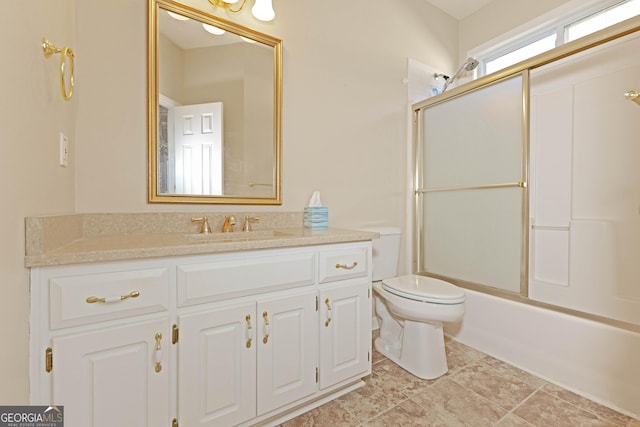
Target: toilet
410	310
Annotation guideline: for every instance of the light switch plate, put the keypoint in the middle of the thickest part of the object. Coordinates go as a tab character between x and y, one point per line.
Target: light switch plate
64	150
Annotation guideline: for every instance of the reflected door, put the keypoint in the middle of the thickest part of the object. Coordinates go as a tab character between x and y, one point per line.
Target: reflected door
198	149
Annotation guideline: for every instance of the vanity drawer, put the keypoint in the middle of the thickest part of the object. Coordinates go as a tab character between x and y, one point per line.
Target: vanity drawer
89	298
229	277
343	264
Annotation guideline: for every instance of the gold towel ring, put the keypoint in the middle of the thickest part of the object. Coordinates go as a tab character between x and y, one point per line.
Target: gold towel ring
633	95
49	49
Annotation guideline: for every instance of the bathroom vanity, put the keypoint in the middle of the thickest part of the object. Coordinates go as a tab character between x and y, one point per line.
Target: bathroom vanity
181	329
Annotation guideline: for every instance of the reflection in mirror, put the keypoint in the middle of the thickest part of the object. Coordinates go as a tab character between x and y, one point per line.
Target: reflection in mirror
214	109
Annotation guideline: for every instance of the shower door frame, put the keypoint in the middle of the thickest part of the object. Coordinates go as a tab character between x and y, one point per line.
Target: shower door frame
419	192
523	68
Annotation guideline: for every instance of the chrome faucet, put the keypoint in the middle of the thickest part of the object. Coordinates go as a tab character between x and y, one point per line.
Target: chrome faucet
229	222
247	222
205	228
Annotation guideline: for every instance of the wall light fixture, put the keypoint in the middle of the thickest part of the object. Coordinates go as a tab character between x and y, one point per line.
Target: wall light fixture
262	9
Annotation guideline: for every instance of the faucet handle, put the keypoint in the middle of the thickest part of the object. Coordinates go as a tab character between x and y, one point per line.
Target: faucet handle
205	228
247	222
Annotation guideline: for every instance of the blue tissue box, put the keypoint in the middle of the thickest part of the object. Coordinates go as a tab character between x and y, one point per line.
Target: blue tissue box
316	217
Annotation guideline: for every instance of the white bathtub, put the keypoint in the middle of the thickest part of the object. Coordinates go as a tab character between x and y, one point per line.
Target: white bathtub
597	361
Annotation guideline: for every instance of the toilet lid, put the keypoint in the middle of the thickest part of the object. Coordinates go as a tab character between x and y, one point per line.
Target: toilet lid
422	288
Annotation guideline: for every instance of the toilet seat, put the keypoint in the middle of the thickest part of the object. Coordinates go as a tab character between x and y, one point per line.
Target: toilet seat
425	289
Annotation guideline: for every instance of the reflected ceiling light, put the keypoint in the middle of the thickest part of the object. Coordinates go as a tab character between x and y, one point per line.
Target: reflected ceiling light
177	16
247	40
213	30
262	9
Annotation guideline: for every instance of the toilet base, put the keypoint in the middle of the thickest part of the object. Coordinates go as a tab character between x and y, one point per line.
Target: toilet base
419	350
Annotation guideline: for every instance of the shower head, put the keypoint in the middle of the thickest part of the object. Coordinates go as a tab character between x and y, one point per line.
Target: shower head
469	65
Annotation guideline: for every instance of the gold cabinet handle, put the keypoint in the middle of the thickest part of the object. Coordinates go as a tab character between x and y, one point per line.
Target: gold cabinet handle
265	339
326	323
249	331
346	267
158	354
132	294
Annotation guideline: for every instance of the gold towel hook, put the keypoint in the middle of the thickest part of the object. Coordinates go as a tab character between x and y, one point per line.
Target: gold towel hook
66	52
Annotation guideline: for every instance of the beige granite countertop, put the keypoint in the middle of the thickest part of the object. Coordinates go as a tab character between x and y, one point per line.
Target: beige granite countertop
84	238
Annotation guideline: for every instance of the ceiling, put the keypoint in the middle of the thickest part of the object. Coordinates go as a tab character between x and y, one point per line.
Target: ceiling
459	9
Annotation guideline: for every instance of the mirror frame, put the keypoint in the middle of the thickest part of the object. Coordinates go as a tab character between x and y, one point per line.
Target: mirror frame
153	102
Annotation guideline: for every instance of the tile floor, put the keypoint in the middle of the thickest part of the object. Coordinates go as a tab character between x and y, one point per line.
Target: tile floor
478	390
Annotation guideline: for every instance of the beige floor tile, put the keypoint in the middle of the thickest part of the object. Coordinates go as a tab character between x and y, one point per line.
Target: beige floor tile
407	383
588	405
634	423
543	409
498	382
455	405
478	390
329	414
378	395
511	420
407	413
460	355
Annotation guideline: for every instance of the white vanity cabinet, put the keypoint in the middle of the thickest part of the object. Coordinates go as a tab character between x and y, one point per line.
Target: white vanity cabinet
345	332
345	314
240	338
100	343
109	377
257	357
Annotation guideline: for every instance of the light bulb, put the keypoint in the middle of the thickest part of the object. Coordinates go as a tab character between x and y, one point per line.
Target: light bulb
213	30
177	16
230	1
263	10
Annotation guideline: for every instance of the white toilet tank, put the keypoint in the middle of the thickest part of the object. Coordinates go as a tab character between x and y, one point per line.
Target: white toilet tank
386	252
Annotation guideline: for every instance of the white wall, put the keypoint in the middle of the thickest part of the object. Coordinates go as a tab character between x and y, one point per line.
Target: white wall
33	113
500	17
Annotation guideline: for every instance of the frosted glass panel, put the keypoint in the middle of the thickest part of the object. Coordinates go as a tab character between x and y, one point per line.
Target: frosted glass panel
474	235
475	138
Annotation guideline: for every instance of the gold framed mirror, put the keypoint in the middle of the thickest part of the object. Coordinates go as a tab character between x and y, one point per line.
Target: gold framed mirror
214	109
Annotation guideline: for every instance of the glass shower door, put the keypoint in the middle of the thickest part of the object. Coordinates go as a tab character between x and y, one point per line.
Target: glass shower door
471	186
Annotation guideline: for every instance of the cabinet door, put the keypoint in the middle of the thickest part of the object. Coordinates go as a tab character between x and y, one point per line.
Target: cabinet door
217	366
109	378
345	332
287	350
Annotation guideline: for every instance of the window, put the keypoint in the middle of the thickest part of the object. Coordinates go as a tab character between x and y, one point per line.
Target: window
529	50
601	20
561	31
